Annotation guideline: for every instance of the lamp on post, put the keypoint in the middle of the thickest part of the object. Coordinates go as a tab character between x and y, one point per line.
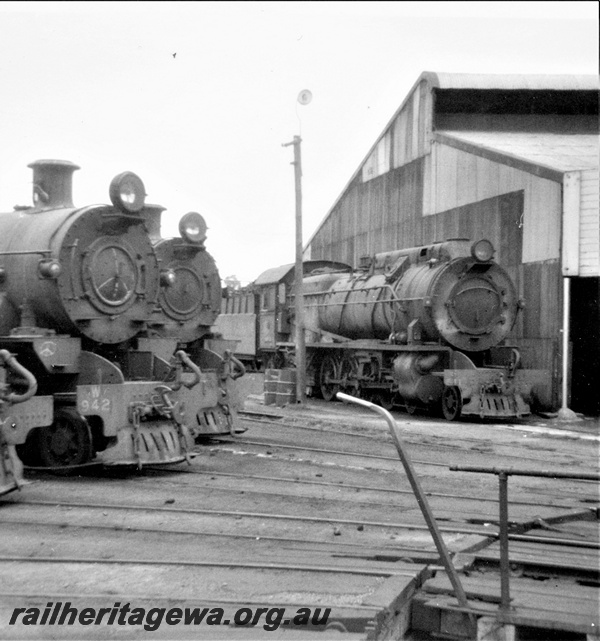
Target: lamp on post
304	97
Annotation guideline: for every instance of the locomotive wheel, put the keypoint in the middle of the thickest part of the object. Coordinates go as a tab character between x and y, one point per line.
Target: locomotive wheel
328	372
451	403
410	407
384	399
349	376
68	441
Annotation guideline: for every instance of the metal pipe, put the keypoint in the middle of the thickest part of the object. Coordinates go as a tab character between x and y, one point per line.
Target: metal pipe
30	252
565	342
186	360
520	472
419	495
504	560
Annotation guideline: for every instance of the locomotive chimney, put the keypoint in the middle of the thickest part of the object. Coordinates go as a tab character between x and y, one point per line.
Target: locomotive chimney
152	214
52	183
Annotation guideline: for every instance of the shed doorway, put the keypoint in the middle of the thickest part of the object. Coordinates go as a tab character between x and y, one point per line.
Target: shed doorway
585	341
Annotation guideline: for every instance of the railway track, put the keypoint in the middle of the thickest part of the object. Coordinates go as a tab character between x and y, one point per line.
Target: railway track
293	516
536	452
379	491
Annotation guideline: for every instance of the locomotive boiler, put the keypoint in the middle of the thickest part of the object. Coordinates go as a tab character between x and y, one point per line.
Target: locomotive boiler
450	292
424	327
105	318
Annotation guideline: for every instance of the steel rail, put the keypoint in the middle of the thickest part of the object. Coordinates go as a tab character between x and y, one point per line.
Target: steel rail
328	451
320	450
319	569
258	515
368	488
493	536
376	548
272	423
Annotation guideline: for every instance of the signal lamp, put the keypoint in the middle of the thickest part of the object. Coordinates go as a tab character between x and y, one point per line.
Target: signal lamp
127	192
482	251
192	228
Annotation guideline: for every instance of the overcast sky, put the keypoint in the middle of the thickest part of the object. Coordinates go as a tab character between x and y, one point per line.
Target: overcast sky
198	98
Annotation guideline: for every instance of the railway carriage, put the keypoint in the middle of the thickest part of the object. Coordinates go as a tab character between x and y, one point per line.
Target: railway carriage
422	328
111	319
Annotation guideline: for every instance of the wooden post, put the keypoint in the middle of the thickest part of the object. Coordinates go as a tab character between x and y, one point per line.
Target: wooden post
299	298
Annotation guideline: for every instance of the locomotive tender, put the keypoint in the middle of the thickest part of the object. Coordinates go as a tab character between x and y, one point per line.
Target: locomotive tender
424	327
113	322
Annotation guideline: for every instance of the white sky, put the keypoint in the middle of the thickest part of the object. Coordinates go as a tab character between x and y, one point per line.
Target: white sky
98	84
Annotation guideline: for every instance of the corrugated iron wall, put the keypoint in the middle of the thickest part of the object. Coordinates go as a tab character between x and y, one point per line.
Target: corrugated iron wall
454	177
378	215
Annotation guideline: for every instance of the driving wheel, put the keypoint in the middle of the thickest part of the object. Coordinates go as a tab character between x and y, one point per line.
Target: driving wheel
451	403
327	374
384	399
67	442
410	406
349	375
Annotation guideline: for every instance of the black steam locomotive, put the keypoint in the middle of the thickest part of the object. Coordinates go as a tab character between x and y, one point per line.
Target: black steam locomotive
422	328
114	323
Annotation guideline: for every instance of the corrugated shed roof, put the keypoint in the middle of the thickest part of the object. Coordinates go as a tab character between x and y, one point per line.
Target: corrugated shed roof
511	81
561	152
274	275
467	81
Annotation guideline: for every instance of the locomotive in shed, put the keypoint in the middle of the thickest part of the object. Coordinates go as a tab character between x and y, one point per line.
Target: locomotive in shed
422	328
114	323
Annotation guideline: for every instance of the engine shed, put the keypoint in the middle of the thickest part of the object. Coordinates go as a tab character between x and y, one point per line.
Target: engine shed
510	158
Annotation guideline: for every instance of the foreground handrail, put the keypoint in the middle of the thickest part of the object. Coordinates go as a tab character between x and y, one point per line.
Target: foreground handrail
503	474
419	494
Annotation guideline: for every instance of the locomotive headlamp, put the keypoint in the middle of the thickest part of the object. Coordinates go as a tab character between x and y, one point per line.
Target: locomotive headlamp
192	228
127	192
167	278
482	250
49	268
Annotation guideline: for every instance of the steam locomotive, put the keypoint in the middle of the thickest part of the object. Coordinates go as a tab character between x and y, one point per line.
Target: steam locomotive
424	328
114	324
